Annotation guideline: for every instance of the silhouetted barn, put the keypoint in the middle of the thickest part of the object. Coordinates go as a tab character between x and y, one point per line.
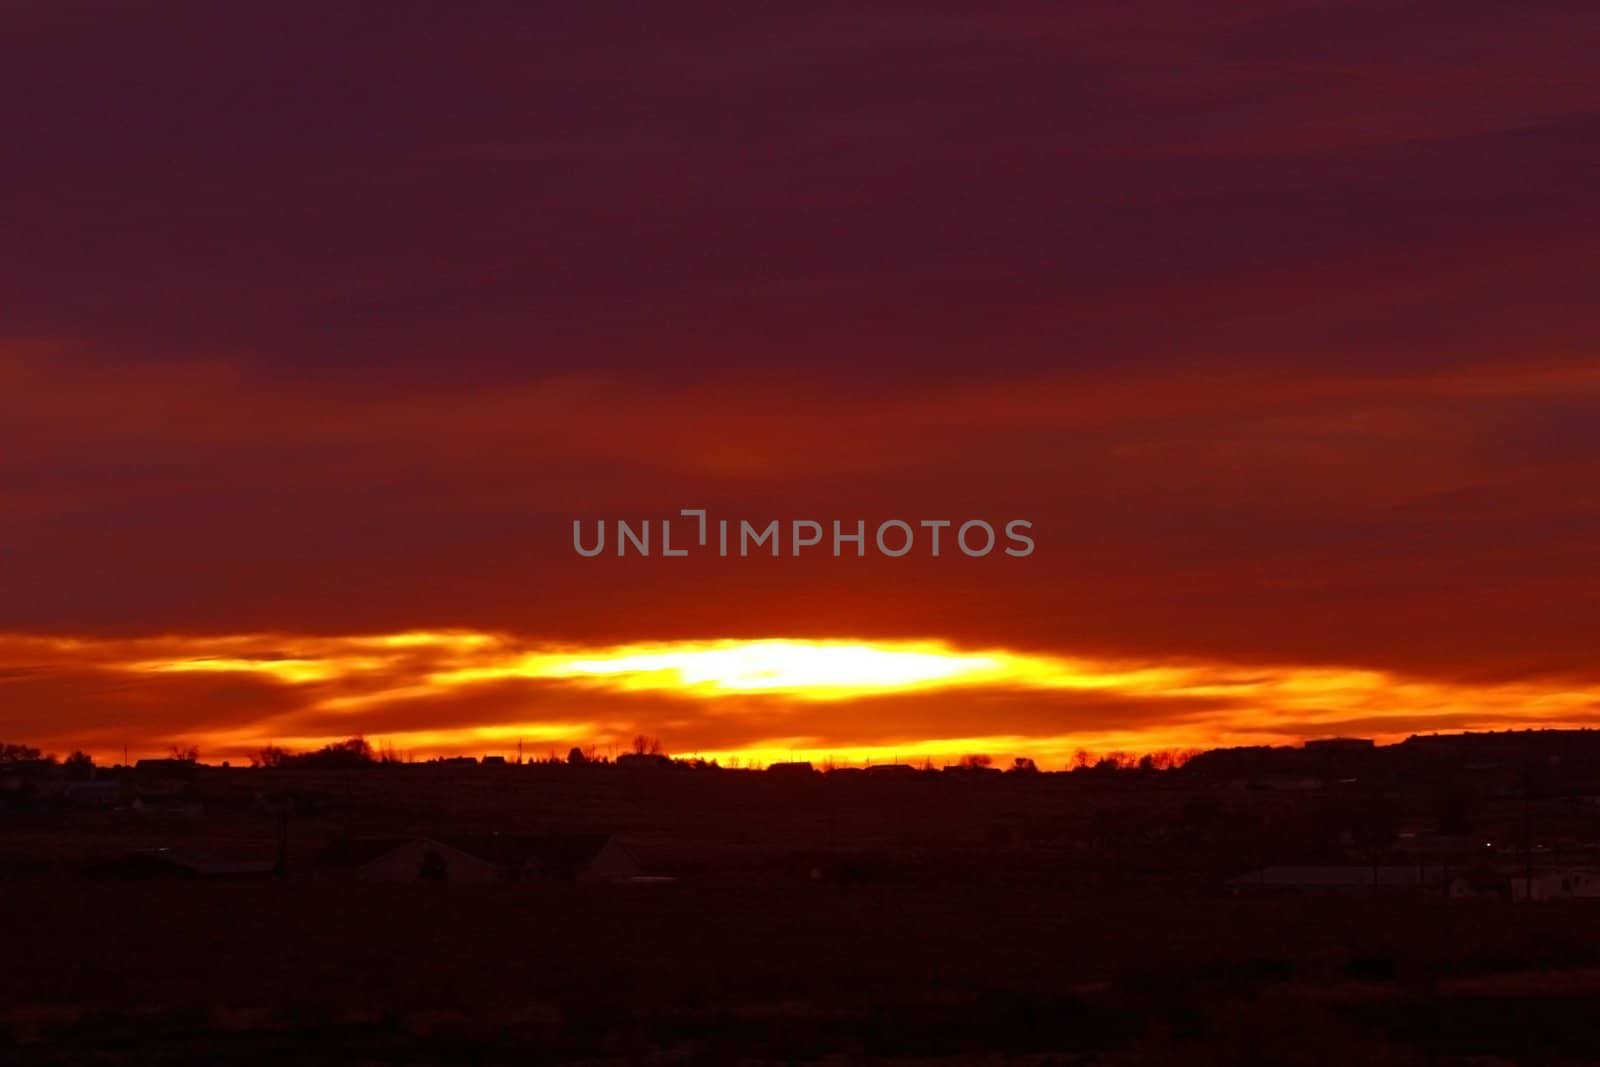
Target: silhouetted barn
483	858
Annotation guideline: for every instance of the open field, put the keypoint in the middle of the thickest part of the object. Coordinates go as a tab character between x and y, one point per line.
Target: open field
1050	919
181	972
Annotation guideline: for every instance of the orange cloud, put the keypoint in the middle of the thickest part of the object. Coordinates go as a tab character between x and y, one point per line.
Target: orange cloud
436	691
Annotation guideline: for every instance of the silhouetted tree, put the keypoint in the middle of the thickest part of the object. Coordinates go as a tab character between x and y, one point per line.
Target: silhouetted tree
575	757
976	760
270	756
185	755
1111	762
1024	765
18	754
355	752
79	765
646	746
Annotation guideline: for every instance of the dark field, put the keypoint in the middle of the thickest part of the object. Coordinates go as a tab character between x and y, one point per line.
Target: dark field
998	921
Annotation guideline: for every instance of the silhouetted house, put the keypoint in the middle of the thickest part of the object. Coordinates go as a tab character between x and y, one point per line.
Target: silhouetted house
1344	880
1480	882
295	802
483	858
1240	763
95	793
1558	884
644	761
970	770
181	864
792	769
182	770
457	761
891	770
17	771
168	805
21	793
1435	844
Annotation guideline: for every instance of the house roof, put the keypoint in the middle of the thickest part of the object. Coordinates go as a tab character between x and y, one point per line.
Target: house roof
558	854
359	851
183	863
548	853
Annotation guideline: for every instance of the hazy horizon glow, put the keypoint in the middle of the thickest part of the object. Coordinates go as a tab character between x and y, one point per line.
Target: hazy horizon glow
420	690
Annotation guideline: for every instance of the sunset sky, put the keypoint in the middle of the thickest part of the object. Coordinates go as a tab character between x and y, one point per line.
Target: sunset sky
320	323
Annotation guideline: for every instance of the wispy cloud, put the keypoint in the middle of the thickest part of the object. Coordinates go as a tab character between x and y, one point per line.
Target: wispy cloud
430	689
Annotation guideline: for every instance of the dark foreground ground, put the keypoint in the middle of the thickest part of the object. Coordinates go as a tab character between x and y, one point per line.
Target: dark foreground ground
1026	923
413	974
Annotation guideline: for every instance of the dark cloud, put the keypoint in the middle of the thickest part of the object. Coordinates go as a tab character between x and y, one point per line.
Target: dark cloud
1276	319
490	194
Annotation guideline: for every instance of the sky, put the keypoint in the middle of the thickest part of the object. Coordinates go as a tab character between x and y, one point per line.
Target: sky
323	322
